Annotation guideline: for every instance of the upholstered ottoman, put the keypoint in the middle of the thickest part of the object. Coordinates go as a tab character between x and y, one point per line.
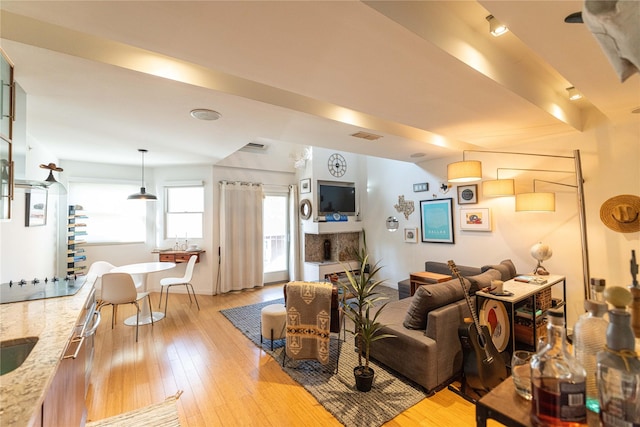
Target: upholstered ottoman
273	319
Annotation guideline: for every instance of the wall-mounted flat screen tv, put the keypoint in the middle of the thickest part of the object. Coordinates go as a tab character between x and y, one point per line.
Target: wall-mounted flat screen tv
336	197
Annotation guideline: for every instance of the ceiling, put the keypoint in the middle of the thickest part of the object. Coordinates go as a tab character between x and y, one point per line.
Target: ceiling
105	78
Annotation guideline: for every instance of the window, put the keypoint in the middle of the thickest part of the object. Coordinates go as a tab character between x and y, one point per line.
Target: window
276	237
184	214
111	218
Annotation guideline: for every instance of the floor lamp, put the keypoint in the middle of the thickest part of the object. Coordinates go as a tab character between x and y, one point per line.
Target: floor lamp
471	170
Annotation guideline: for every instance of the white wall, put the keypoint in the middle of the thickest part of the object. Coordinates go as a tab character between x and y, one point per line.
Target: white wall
610	159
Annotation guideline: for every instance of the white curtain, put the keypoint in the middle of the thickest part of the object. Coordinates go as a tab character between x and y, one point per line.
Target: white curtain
241	236
295	272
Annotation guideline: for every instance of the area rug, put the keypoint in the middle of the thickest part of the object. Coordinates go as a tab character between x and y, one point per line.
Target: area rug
163	414
391	393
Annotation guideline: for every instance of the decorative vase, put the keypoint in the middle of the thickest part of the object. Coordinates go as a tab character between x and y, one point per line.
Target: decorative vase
364	380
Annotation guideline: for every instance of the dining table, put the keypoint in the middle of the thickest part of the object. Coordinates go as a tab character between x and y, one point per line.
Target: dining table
140	272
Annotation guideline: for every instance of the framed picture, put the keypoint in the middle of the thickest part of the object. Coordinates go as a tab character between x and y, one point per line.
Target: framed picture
436	217
478	219
467	194
411	235
305	186
36	207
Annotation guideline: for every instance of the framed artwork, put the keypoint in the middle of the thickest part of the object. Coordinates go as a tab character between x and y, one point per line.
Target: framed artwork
36	207
478	219
305	186
436	217
411	235
467	194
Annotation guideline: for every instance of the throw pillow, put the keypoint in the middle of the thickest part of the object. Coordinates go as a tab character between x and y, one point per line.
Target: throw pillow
506	268
483	280
429	298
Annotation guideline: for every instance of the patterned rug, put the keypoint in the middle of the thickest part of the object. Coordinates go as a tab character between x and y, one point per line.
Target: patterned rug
163	414
391	393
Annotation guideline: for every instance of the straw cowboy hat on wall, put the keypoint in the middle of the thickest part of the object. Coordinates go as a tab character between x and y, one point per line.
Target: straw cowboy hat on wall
621	213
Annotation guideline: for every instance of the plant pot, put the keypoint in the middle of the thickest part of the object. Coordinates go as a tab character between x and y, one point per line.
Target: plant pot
364	380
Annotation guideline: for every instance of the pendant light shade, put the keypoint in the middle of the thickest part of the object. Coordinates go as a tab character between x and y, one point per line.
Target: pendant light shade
54	186
464	171
498	187
536	202
142	195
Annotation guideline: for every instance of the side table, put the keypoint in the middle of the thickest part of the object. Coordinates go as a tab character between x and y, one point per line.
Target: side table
425	277
504	405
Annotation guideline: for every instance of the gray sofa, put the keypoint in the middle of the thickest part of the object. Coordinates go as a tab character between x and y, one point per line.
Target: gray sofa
426	348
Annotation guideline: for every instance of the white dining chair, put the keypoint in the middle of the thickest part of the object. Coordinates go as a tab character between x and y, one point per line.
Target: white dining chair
185	281
119	288
97	269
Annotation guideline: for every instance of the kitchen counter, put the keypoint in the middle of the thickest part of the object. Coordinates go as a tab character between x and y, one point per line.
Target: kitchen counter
52	320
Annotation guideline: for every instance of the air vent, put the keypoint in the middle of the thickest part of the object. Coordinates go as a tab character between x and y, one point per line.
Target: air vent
254	146
366	135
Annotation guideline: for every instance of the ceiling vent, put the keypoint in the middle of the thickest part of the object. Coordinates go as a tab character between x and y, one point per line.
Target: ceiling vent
254	146
366	135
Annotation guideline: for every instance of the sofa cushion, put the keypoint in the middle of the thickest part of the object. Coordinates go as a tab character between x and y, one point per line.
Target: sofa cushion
430	297
483	280
506	268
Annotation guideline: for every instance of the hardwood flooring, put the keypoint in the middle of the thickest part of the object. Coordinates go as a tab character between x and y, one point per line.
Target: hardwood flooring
226	379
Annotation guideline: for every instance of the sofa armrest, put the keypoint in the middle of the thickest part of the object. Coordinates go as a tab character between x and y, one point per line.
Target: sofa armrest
442	326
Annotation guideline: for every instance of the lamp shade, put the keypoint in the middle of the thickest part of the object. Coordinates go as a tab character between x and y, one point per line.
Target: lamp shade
498	187
535	202
142	195
465	171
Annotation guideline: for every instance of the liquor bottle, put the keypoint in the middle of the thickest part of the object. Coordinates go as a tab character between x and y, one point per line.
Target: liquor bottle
589	337
618	369
557	380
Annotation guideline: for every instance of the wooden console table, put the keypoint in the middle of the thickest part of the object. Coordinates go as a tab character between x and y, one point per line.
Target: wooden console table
504	405
425	277
178	256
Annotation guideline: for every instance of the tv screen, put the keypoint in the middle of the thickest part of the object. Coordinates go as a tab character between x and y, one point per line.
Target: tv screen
336	197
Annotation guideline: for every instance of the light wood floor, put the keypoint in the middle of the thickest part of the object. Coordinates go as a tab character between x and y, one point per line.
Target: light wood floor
226	379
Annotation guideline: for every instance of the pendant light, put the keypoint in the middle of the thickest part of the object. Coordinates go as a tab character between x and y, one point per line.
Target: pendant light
142	195
54	186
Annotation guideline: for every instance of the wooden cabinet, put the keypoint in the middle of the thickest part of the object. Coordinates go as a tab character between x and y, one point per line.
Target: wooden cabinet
178	256
7	103
76	229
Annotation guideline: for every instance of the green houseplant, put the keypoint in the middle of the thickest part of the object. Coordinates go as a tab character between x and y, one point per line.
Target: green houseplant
361	288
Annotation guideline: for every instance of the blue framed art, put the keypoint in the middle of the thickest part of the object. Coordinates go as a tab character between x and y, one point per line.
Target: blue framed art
436	219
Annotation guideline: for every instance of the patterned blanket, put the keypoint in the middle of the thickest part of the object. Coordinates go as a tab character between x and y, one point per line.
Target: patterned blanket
308	320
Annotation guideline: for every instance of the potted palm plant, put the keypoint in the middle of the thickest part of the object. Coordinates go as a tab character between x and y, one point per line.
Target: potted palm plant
366	327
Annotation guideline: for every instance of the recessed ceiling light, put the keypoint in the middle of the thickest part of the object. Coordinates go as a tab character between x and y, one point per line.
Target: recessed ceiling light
496	28
205	114
573	93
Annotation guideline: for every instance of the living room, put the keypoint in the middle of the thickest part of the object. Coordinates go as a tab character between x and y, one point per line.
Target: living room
609	149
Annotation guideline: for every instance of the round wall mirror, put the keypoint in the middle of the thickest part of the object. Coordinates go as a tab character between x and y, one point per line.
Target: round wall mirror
305	209
392	224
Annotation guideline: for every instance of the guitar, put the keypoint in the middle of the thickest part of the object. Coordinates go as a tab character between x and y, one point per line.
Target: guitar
484	368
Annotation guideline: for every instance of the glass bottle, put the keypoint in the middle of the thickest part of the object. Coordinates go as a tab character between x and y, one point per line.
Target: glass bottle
557	380
590	337
618	370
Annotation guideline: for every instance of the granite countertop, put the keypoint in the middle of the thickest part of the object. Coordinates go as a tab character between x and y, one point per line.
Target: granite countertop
52	321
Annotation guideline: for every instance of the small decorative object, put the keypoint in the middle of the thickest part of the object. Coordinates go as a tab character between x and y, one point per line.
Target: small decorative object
404	206
392	224
336	217
327	249
541	252
444	188
467	194
36	207
436	217
411	235
305	186
478	219
337	165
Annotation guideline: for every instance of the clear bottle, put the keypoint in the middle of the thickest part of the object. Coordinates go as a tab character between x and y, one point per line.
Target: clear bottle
618	370
557	380
590	337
